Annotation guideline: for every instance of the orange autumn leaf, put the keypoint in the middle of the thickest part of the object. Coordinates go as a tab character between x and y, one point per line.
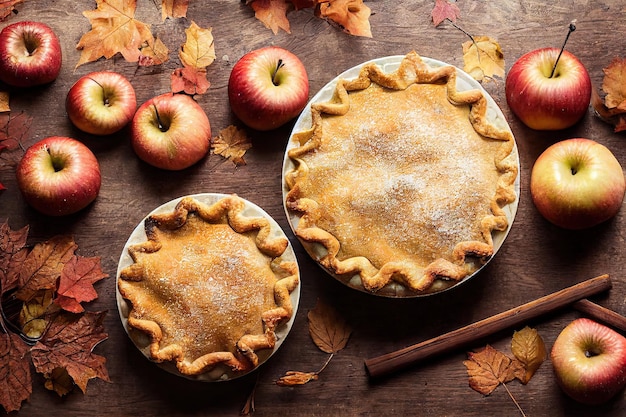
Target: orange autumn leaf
114	30
292	378
153	52
529	348
7	6
351	15
232	144
4	102
489	368
197	53
272	13
76	283
614	85
174	8
444	10
483	58
68	344
328	330
15	377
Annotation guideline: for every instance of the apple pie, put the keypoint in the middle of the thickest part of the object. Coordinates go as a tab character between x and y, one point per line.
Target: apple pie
209	287
402	180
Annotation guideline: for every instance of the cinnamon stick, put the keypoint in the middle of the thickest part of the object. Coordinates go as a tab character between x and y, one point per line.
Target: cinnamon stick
394	361
602	314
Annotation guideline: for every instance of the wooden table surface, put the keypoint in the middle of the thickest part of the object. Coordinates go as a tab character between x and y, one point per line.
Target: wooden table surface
536	259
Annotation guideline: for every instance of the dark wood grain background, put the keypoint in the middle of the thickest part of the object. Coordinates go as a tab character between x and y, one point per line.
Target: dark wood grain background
536	259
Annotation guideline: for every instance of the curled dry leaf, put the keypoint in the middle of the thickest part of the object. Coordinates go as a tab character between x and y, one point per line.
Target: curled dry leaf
232	144
612	109
292	378
529	348
7	6
483	58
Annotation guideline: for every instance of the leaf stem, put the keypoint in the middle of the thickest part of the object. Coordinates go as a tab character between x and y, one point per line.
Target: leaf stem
571	28
513	399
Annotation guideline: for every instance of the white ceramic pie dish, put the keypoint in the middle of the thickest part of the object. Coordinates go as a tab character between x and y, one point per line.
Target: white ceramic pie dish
141	341
389	64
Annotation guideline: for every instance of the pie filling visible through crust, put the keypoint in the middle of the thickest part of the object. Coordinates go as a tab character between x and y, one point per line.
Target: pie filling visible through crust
209	286
401	179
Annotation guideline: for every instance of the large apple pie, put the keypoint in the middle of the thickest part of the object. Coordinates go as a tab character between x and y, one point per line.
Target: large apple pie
400	183
209	287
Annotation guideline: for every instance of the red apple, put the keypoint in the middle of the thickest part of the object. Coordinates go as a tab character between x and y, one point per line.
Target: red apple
171	131
268	87
101	103
58	176
30	54
589	361
577	183
545	102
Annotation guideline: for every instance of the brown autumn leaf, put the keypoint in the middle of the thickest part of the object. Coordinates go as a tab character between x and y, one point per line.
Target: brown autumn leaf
174	8
529	348
42	267
489	368
4	102
352	16
444	10
614	85
272	13
196	54
232	144
329	331
292	378
13	252
483	58
114	30
15	378
6	7
68	344
76	283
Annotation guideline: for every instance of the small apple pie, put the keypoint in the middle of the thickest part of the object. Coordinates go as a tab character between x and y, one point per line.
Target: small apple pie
210	287
402	179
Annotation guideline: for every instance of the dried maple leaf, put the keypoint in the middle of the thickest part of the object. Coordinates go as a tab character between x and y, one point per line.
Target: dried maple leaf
153	52
489	368
13	130
15	377
444	10
272	13
43	266
76	283
483	58
7	6
231	143
528	348
68	344
614	85
292	378
13	252
114	29
328	330
174	8
351	15
196	54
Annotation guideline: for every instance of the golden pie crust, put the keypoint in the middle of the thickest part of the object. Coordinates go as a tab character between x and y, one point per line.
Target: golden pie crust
209	287
401	180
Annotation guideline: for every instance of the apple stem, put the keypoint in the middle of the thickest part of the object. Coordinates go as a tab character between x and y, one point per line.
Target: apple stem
572	27
106	99
278	67
161	126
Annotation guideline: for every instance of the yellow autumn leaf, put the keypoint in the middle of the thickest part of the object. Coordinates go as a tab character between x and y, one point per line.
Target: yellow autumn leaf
199	49
4	102
32	316
529	348
483	58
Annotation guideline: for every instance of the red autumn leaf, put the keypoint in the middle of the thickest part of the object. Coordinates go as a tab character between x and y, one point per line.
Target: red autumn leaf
76	283
444	10
43	266
272	13
6	7
68	344
12	254
351	15
15	377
